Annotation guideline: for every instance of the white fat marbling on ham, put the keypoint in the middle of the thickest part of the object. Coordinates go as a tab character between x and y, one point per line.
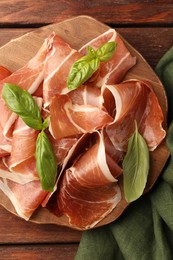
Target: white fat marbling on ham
59	60
89	184
28	78
15	176
32	196
77	113
135	101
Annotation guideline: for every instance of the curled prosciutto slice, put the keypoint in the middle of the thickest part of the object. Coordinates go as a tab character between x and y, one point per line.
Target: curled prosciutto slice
88	189
57	66
5	145
25	197
29	78
78	112
22	157
134	100
62	146
112	71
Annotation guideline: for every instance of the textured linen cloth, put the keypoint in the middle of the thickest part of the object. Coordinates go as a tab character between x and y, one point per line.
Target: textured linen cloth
145	229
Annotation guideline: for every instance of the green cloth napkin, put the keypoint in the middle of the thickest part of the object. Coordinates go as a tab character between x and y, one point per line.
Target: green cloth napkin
145	230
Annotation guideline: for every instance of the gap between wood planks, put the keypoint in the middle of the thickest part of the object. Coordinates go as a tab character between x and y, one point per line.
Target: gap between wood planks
117	25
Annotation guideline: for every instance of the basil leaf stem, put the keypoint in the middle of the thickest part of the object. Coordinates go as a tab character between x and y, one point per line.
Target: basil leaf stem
84	68
46	164
135	166
22	103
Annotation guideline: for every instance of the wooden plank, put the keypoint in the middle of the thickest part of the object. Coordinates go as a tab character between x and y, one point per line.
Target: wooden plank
152	43
110	12
16	230
39	252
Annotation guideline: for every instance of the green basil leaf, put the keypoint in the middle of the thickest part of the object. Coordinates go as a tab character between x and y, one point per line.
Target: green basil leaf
84	68
135	167
46	163
46	123
23	104
81	71
106	51
91	52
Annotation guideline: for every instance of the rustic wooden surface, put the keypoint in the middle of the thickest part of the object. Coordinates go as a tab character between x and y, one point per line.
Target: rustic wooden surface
147	25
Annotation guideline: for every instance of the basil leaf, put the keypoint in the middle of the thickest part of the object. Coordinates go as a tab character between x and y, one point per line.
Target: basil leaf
46	164
135	167
45	123
84	68
106	51
23	104
91	52
81	71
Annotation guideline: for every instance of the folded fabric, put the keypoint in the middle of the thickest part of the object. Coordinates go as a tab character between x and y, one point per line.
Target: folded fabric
145	230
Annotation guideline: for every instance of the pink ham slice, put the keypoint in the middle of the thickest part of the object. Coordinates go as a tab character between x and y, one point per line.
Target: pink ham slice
57	66
134	100
78	112
61	147
25	197
88	189
4	73
29	78
22	157
5	145
114	70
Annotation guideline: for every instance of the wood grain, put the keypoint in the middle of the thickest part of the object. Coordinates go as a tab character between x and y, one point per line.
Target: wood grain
39	252
72	31
152	12
19	231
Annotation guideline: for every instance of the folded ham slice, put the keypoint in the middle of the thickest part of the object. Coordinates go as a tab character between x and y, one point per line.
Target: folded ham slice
23	145
134	100
112	71
62	146
29	78
57	66
5	145
78	112
88	189
25	197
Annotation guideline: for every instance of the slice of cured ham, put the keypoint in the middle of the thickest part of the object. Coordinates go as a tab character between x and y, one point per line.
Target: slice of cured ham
112	71
135	100
25	197
57	66
22	156
4	73
62	146
5	145
78	112
88	189
29	78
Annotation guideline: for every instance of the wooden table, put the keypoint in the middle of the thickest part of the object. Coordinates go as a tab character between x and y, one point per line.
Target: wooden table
147	25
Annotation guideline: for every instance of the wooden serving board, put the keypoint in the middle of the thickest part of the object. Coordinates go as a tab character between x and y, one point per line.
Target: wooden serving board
78	31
